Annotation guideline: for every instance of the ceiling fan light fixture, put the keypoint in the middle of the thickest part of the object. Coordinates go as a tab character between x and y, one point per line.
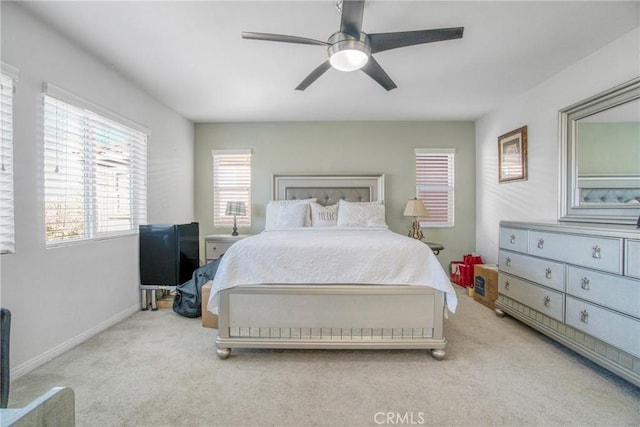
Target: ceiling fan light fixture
350	48
348	60
347	53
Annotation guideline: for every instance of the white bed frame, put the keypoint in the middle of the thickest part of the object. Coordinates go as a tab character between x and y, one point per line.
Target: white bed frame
331	316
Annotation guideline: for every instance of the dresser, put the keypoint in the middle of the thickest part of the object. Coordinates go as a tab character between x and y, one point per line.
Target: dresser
215	245
577	283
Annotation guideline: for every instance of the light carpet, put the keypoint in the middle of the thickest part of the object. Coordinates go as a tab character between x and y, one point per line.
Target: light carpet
160	369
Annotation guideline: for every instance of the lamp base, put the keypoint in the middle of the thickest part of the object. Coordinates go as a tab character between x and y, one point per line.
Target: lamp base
416	231
235	228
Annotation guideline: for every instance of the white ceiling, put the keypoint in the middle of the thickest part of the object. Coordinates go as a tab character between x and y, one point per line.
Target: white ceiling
191	57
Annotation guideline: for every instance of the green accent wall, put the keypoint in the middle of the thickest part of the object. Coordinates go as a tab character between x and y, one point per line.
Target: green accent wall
344	148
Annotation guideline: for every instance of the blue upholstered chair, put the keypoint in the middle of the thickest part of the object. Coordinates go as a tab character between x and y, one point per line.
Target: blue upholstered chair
54	408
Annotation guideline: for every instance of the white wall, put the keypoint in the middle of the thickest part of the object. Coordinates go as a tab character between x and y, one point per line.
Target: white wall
339	148
538	197
59	297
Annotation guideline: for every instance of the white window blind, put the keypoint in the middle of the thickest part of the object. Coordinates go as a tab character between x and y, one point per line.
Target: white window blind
95	174
435	185
7	234
231	183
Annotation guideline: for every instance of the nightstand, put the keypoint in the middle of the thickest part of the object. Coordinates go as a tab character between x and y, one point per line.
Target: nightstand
215	245
435	247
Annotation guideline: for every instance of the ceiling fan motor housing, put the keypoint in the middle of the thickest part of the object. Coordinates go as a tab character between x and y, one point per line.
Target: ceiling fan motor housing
348	53
350	48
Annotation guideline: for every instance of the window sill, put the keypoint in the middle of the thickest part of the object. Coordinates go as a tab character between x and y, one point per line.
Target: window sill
74	242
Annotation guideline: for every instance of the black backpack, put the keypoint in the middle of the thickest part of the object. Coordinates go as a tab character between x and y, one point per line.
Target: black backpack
188	298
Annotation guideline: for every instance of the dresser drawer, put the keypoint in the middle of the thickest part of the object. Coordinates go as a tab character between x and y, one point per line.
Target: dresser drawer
599	253
539	270
214	250
632	258
616	292
541	299
616	329
514	239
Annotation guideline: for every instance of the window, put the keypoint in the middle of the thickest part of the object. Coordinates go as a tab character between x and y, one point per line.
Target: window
95	171
7	234
231	183
435	185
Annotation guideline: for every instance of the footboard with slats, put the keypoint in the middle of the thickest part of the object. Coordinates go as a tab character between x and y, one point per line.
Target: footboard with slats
331	316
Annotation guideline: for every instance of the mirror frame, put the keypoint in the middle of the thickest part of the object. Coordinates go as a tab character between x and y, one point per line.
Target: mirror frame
626	92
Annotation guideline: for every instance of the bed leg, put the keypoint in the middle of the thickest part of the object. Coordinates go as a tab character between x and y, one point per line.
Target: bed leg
499	312
438	354
223	353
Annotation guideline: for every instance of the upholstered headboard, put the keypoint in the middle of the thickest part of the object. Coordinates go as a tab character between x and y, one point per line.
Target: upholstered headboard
609	189
622	196
329	189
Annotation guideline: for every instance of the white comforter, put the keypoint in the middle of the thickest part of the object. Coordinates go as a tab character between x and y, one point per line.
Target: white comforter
330	256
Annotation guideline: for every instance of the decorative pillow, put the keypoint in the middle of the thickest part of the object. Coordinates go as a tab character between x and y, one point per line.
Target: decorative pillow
366	214
323	216
293	215
273	209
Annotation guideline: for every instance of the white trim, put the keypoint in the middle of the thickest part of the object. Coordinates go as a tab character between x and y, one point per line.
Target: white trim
8	79
10	70
424	186
68	97
231	187
230	152
56	351
435	150
89	174
80	241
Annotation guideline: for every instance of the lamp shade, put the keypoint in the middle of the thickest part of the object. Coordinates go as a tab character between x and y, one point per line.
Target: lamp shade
415	207
236	209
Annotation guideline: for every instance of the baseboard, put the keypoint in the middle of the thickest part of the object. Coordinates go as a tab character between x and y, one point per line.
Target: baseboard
56	351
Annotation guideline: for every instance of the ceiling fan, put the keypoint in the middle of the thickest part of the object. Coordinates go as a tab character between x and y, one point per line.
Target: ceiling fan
351	48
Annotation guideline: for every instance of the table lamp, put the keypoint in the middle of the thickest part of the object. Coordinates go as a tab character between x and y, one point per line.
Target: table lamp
236	209
416	209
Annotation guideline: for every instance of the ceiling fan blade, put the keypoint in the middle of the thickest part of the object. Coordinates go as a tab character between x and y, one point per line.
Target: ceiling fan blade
375	71
385	41
281	38
320	70
351	21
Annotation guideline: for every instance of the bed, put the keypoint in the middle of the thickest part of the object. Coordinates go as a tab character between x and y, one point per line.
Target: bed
349	286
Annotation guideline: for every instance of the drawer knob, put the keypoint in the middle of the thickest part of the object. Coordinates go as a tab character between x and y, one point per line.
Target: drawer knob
584	283
584	316
512	239
547	273
540	243
508	262
596	252
507	285
547	301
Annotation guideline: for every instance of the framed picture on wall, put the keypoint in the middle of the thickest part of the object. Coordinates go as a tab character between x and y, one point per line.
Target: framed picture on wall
512	156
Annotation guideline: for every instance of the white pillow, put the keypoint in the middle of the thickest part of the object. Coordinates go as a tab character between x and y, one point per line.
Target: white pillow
273	209
366	214
323	216
293	215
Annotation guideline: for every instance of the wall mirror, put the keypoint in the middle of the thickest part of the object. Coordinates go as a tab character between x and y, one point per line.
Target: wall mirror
600	157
